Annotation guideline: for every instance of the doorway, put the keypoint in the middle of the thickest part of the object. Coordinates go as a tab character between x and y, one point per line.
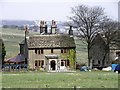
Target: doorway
53	65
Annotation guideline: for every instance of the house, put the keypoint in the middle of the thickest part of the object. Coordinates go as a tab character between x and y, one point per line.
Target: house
99	51
49	51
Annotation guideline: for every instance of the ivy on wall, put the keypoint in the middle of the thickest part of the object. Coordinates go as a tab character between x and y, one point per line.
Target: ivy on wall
71	57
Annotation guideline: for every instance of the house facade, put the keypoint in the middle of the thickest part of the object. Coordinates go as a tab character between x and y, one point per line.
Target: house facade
49	51
99	51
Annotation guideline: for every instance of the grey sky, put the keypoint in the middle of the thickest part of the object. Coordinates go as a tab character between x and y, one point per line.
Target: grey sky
51	9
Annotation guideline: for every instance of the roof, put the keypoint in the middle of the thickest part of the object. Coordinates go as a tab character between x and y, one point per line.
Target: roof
51	41
115	43
51	56
18	58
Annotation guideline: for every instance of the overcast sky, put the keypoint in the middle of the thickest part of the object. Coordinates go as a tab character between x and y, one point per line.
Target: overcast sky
50	9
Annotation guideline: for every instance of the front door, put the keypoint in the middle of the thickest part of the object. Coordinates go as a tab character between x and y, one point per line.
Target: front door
53	65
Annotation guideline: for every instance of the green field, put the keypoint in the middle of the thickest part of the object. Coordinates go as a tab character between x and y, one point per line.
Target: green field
12	38
35	79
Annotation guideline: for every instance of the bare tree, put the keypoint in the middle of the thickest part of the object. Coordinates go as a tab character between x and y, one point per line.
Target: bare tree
87	21
109	31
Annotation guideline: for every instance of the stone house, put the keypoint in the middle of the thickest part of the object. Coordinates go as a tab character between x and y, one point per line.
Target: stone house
49	51
98	53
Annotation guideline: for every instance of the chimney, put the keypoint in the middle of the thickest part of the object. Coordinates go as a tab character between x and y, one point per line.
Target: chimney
41	26
45	28
53	27
26	32
70	31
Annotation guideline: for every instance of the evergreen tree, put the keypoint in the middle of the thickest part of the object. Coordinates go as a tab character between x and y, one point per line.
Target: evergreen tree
2	51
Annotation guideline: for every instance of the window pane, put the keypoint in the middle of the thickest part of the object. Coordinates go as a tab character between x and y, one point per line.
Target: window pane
36	63
61	50
41	51
51	50
68	64
42	63
36	51
65	50
62	63
39	63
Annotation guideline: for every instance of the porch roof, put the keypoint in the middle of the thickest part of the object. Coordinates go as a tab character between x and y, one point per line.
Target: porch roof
51	56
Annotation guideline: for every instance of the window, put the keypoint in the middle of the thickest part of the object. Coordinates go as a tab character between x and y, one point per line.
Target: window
61	50
62	63
39	63
42	65
98	61
41	51
36	64
65	50
36	51
51	50
68	64
65	63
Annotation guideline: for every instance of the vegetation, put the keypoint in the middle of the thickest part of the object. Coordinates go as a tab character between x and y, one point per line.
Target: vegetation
109	30
88	20
12	38
2	50
72	58
35	79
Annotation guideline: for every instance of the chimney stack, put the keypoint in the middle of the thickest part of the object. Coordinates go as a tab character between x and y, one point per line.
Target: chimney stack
43	27
53	27
26	32
70	31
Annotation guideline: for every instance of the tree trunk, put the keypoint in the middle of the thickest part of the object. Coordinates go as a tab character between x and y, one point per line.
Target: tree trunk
109	56
89	59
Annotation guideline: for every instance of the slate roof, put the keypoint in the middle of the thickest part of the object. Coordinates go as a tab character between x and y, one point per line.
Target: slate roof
51	41
18	58
115	43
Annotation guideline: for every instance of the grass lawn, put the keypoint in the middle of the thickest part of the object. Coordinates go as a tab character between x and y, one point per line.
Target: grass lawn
35	79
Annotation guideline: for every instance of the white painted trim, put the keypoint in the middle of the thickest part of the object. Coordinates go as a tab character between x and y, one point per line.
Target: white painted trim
56	66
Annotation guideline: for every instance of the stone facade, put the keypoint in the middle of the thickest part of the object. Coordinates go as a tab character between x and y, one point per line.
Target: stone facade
49	51
99	51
